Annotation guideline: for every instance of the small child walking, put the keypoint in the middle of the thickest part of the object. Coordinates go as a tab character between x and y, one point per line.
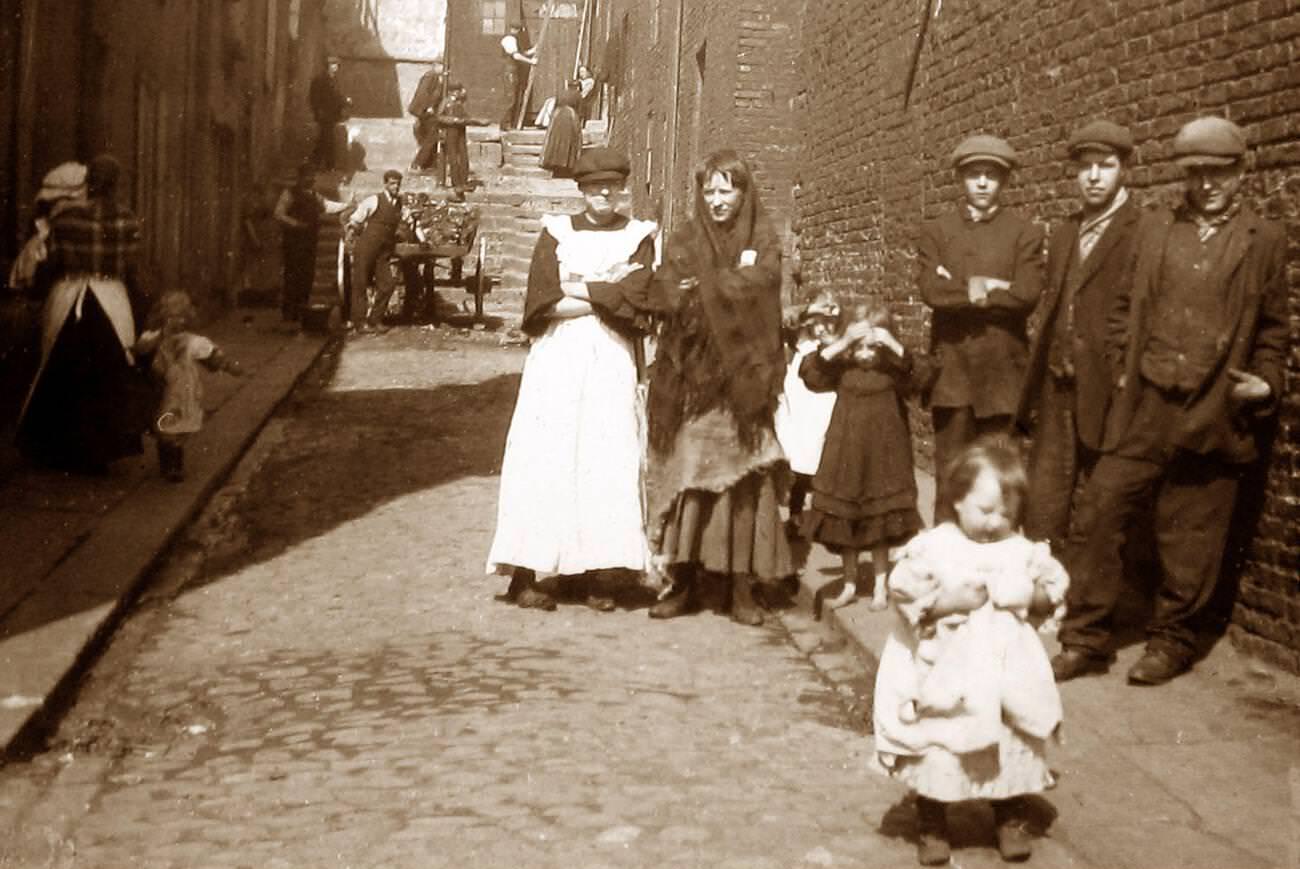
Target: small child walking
965	700
802	416
176	355
864	492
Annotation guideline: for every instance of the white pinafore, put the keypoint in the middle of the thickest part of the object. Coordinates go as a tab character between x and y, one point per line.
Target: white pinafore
570	477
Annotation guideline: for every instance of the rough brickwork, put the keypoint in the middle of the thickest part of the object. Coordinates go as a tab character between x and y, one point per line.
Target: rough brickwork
874	170
723	76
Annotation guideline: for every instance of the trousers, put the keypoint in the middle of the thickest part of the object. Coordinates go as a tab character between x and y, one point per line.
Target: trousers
372	258
1194	496
299	257
1057	460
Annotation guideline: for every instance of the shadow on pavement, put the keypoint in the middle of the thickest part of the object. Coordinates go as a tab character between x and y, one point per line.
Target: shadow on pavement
347	453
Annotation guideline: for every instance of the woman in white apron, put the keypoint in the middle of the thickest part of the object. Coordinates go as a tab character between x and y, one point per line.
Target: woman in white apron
570	500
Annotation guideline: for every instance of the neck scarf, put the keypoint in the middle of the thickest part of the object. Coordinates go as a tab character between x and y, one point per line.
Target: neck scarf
1209	224
1091	229
981	215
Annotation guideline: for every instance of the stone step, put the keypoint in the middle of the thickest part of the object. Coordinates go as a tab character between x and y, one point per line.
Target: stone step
522	170
524	190
531	135
389	143
405	125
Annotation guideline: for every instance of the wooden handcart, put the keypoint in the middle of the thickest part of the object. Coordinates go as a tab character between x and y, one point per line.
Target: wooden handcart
474	250
470	253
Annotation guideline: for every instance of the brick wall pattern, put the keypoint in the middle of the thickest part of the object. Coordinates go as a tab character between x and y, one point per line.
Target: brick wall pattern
872	170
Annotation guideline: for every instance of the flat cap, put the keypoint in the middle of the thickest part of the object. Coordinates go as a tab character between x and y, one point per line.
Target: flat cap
601	164
1101	136
989	148
65	181
1209	141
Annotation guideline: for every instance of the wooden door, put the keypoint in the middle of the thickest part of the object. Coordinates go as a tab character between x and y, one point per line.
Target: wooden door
556	37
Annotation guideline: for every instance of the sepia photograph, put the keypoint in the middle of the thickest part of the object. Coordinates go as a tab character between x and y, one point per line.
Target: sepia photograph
649	434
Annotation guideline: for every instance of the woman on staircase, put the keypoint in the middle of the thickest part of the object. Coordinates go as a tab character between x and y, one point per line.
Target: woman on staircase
563	141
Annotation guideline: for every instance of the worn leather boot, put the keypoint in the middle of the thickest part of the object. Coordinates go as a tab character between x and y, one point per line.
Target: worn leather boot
681	601
171	461
1014	843
932	847
743	608
520	579
523	591
595	591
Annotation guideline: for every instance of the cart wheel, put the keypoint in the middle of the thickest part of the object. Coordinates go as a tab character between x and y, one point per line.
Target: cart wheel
344	277
477	282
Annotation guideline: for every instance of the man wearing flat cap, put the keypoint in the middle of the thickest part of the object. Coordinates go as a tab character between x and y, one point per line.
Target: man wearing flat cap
981	273
1204	361
1078	352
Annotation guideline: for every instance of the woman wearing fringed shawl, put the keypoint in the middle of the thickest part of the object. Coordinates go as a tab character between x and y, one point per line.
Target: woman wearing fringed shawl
570	501
716	470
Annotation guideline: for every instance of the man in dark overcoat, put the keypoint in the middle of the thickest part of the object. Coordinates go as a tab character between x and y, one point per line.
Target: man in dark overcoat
1204	361
329	107
981	273
1078	352
424	107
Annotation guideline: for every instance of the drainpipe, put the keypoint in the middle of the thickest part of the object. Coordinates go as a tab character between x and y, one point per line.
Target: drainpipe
670	173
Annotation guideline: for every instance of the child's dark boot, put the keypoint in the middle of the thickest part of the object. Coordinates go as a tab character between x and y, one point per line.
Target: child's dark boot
931	832
1014	843
171	461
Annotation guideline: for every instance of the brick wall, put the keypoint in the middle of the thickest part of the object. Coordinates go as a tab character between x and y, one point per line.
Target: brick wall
708	75
873	170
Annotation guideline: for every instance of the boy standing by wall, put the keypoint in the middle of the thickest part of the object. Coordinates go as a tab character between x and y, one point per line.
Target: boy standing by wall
981	274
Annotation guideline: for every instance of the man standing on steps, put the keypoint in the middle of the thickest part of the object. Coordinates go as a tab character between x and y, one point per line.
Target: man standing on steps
518	65
374	227
328	106
424	107
453	120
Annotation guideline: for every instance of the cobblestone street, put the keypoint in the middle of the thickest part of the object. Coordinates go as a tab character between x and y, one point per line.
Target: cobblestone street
319	676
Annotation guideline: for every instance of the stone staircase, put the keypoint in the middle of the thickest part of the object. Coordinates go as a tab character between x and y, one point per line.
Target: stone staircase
513	190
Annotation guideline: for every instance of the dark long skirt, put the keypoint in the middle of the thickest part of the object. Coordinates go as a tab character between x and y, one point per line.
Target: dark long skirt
563	143
738	530
90	405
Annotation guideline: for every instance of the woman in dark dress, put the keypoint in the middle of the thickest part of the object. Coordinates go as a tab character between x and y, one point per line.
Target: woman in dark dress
87	405
716	471
564	136
864	493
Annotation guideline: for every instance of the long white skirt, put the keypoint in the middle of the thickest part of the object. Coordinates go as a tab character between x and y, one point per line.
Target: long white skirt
570	479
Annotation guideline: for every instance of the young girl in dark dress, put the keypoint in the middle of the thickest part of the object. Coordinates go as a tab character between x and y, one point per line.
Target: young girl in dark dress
864	493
